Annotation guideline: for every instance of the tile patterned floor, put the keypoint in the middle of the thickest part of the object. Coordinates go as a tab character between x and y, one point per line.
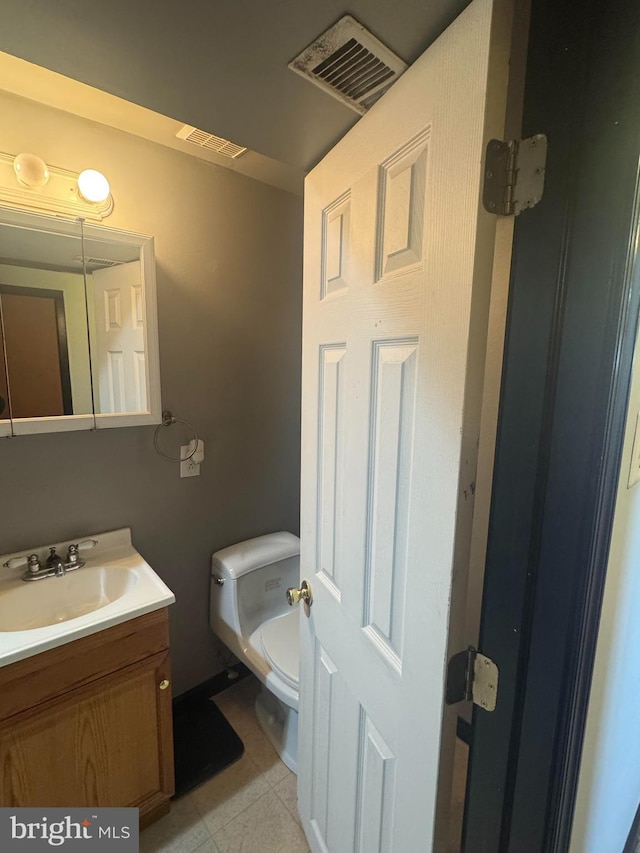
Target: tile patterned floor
251	807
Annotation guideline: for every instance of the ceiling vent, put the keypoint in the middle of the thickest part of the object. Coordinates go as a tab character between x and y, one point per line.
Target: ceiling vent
96	263
207	140
350	63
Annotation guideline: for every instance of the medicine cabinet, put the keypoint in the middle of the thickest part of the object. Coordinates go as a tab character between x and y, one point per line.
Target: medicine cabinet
78	326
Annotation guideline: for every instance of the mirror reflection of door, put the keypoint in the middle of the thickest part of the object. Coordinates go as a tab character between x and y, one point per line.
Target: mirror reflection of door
4	391
36	351
118	346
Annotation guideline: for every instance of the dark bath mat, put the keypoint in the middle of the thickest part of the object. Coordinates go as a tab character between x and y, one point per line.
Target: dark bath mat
203	741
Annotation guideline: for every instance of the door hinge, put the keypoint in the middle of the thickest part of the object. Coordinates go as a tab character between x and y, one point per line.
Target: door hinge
514	174
472	677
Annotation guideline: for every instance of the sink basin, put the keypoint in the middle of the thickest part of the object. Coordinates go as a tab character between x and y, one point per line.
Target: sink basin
38	604
115	584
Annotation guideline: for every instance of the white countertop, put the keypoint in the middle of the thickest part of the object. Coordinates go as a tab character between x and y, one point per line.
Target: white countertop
115	550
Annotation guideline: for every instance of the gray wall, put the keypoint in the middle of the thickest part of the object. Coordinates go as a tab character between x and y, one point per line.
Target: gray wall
229	256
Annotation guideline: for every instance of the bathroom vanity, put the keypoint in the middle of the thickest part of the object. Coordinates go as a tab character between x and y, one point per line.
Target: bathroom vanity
85	703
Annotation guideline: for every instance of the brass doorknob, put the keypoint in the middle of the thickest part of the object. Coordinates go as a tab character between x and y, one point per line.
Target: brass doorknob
304	593
164	684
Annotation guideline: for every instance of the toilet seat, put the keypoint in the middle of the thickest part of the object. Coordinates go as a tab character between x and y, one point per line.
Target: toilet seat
281	646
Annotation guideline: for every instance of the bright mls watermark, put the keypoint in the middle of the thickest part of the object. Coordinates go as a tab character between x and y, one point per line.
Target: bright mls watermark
69	830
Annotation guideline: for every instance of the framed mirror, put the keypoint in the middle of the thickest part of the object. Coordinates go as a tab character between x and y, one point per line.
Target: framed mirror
78	326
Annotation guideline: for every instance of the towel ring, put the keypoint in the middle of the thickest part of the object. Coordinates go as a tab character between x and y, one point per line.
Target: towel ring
168	420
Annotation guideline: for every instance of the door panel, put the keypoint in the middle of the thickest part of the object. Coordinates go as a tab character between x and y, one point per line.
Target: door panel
397	281
119	360
37	357
331	462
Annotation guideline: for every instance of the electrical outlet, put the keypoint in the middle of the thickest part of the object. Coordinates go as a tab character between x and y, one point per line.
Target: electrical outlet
188	468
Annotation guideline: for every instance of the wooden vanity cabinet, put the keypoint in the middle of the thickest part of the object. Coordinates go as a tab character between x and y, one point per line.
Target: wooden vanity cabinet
89	723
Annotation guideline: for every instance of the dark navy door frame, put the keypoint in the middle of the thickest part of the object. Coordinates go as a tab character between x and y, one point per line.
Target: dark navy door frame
572	318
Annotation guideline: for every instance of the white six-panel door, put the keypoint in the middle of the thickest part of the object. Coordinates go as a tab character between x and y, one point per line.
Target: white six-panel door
119	346
396	291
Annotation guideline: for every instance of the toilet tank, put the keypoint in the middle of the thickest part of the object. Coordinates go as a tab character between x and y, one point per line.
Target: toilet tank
256	574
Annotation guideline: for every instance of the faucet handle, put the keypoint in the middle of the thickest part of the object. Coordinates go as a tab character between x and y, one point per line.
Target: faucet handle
84	545
28	559
73	560
33	564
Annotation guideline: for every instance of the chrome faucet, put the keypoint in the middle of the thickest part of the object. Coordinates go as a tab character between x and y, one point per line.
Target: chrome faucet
54	565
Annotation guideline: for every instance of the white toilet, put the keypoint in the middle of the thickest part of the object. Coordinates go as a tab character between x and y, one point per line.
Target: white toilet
249	613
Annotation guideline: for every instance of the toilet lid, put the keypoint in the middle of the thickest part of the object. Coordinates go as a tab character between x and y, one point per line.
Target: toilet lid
281	645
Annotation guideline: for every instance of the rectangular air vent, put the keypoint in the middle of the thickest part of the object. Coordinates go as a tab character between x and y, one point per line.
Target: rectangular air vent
96	263
350	63
208	140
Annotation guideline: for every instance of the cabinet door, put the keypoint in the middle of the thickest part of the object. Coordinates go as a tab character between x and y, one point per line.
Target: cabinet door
106	744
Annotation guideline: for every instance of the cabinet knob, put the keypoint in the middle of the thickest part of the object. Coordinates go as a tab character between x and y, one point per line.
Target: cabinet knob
164	684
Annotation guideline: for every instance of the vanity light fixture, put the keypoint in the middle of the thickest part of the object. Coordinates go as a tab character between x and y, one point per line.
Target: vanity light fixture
28	183
31	171
93	186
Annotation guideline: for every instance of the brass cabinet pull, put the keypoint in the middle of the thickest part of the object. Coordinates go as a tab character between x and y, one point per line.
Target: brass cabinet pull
164	684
